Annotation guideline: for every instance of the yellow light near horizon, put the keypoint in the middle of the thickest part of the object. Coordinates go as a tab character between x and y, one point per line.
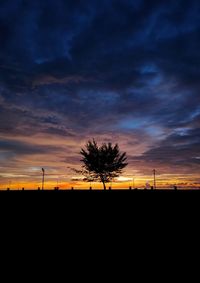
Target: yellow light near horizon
124	179
121	182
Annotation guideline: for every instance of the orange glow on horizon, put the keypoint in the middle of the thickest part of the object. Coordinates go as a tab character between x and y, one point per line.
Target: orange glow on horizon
139	183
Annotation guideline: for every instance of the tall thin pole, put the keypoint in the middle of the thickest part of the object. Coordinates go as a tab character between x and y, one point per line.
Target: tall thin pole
154	175
43	172
133	183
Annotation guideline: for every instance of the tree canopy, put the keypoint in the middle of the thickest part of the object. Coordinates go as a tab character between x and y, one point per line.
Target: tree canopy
102	163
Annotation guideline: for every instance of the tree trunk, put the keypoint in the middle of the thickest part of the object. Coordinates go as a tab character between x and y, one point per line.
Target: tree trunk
104	186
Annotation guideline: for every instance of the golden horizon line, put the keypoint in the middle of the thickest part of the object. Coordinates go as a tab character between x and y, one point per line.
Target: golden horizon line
68	186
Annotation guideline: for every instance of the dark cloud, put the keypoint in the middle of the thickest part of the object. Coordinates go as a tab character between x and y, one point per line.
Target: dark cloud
69	68
22	148
178	152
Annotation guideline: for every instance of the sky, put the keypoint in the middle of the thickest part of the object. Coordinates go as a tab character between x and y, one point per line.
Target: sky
120	71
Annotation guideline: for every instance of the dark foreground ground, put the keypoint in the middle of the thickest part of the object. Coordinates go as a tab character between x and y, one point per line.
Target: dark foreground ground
113	204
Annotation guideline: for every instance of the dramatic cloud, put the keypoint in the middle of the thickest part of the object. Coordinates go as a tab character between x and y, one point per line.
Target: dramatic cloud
118	70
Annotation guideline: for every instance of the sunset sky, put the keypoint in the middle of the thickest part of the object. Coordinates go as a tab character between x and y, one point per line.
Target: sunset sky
120	71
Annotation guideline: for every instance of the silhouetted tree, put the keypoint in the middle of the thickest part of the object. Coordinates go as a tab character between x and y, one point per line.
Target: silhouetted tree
102	163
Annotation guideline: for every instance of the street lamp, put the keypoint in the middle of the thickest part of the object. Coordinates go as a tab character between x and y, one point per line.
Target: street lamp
43	172
154	175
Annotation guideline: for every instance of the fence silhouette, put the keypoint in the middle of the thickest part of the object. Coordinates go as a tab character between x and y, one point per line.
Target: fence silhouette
174	188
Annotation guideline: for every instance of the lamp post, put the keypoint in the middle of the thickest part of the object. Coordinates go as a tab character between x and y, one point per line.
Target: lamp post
154	176
133	183
43	172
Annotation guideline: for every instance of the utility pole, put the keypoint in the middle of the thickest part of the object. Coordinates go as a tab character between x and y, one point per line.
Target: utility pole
154	175
133	183
43	172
